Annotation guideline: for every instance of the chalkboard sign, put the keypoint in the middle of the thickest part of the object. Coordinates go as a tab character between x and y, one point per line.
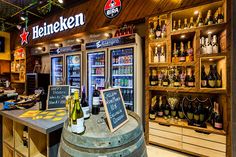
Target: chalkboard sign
114	107
57	96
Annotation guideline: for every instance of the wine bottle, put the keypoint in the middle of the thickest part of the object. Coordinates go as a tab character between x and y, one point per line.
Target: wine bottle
190	111
215	17
152	112
220	18
77	116
165	80
166	106
210	18
190	52
218	120
160	78
153	77
201	113
211	78
196	115
151	31
162	55
158	30
177	79
96	103
179	25
218	77
182	77
185	23
84	104
203	77
163	30
180	110
156	55
215	46
191	79
203	46
182	57
174	26
160	112
25	136
200	20
191	25
174	54
209	48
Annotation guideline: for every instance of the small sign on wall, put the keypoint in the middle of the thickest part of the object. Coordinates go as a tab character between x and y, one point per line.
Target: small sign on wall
112	8
114	105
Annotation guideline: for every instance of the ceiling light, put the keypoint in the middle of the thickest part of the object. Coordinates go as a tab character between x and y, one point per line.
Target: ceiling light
158	45
182	36
39	48
60	1
57	45
210	59
196	12
209	32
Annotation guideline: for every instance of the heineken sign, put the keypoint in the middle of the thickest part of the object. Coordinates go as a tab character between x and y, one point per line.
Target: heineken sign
61	25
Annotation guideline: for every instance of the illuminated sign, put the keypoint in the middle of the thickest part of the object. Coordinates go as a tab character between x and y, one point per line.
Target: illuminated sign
61	25
24	37
112	8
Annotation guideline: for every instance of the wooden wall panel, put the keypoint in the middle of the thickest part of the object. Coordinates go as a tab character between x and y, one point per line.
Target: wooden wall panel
95	19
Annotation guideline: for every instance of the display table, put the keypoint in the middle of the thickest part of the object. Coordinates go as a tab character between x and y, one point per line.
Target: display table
127	141
44	135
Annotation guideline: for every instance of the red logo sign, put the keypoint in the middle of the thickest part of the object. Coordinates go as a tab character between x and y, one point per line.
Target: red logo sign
24	37
112	8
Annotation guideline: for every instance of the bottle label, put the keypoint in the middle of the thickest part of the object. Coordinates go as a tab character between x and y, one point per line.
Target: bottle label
176	84
167	112
202	117
196	117
181	115
209	49
215	49
190	116
158	34
96	101
190	84
86	111
153	83
79	127
182	59
162	59
160	114
218	125
152	116
218	83
165	83
204	83
173	113
211	83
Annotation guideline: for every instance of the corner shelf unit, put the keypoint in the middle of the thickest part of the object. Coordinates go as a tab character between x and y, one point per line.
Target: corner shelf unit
175	135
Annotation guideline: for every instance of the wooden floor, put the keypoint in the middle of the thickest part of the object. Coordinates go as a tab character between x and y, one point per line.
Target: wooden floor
154	151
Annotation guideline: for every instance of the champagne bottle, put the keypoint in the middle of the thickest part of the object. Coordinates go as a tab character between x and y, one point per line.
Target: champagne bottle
174	26
203	46
182	57
211	78
77	116
153	77
177	79
162	56
158	30
196	115
200	20
191	80
218	120
218	78
163	31
152	112
96	103
215	17
215	47
185	23
166	80
209	48
166	106
160	109
151	31
190	52
220	17
156	55
203	77
175	54
179	25
84	104
202	113
210	18
180	110
191	25
190	111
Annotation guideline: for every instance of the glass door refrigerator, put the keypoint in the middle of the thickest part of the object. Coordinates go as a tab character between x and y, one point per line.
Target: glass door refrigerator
96	72
73	71
57	70
125	71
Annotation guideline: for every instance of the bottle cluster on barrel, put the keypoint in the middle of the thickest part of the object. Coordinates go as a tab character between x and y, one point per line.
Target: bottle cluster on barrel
172	77
210	19
196	112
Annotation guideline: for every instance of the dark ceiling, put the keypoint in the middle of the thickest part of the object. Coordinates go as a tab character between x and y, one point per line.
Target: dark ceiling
11	10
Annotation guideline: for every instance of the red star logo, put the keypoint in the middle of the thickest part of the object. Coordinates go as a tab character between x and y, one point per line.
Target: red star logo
24	37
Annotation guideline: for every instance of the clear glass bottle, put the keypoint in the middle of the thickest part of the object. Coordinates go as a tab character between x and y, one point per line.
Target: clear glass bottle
162	55
156	55
215	47
209	48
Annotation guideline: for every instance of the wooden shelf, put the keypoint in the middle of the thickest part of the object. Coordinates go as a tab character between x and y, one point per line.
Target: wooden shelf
161	40
213	55
213	90
184	124
172	64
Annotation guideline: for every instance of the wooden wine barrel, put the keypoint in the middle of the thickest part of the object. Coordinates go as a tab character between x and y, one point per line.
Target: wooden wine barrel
127	141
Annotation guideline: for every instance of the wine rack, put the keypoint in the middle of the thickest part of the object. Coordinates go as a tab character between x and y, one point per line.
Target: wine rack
158	129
